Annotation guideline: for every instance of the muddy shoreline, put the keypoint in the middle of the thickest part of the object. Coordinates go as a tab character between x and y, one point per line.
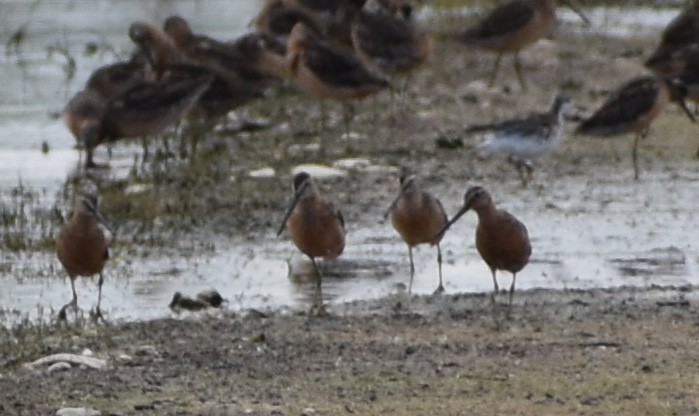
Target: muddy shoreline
620	351
585	352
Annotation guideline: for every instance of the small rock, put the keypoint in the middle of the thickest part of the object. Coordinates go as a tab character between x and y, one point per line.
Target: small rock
87	352
77	411
146	350
61	366
309	411
124	358
80	360
212	297
180	301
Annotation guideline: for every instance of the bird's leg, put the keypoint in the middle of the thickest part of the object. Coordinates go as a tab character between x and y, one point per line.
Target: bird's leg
495	70
97	315
440	288
518	69
144	145
634	156
412	269
318	307
323	114
73	303
512	287
347	116
89	162
495	284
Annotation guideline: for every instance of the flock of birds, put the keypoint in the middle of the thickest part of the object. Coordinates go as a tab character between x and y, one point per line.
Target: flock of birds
345	50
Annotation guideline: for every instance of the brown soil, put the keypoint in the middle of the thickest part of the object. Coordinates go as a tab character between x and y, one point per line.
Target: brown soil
625	351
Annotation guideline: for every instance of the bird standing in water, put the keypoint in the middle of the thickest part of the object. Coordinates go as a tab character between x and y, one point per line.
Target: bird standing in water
501	239
418	217
82	249
315	227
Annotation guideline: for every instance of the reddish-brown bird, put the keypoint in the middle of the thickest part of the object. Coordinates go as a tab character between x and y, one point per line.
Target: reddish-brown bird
315	227
418	217
513	26
501	239
82	249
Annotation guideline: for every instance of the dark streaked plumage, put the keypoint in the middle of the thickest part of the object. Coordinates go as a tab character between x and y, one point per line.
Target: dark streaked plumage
145	109
392	43
632	108
681	32
512	26
329	71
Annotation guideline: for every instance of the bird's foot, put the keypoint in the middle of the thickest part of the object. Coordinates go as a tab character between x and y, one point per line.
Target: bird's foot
319	311
439	290
96	315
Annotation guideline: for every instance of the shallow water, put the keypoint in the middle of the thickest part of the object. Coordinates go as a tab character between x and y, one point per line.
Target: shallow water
594	232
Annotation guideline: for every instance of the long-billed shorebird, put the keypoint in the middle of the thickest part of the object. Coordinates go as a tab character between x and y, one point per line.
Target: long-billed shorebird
248	57
511	27
501	239
526	139
633	107
82	249
315	227
145	109
387	40
326	70
681	32
418	217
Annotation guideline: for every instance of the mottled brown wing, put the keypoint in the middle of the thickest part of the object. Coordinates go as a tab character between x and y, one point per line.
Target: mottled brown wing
386	39
623	107
338	67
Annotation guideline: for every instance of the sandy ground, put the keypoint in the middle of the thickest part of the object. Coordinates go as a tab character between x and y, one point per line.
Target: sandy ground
625	351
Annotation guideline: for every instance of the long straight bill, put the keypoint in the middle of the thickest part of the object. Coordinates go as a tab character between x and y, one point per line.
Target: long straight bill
297	197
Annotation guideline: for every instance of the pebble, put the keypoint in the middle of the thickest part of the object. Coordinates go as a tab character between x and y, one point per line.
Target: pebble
124	358
60	366
309	411
77	411
146	350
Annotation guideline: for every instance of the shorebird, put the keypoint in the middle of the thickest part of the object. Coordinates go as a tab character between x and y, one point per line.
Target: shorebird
387	40
681	32
511	27
633	107
276	20
157	47
329	71
145	109
418	217
524	140
501	239
335	16
82	249
315	227
115	79
248	57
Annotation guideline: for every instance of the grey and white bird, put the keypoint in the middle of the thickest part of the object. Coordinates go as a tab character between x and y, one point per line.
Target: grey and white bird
524	140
